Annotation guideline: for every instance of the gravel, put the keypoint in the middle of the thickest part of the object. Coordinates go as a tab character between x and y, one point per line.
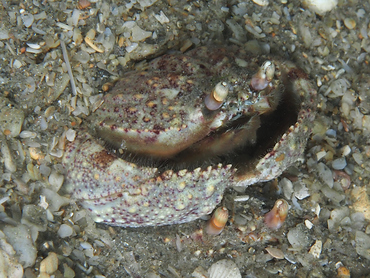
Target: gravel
328	224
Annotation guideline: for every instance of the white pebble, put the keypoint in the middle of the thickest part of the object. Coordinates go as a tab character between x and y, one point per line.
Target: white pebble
65	231
139	34
71	135
131	47
27	20
320	6
331	133
86	245
75	17
56	180
346	150
363	244
41	15
287	186
45	170
9	266
332	194
82	57
20	239
146	3
339	163
4	34
78	215
297	237
336	216
27	134
17	64
315	249
300	191
261	2
55	201
320	155
8	159
308	224
358	158
161	17
43	123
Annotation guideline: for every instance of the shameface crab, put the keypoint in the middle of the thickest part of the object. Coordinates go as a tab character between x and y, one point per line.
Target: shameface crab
168	140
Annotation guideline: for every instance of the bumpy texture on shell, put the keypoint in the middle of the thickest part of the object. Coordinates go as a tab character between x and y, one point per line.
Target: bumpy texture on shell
121	193
125	192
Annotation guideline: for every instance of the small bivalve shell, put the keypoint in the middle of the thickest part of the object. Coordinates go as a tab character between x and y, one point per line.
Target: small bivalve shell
224	269
350	23
275	252
261	2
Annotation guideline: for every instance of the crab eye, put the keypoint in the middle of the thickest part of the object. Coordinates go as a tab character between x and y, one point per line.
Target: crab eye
216	98
269	69
263	77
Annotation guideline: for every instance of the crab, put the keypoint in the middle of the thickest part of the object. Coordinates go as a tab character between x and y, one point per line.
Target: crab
169	139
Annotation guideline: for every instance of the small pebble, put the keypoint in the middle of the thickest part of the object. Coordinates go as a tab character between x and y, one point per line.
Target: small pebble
54	199
346	150
8	159
261	2
321	6
308	224
9	266
139	34
358	158
343	272
362	244
320	155
287	186
27	134
50	264
298	237
325	174
17	64
331	133
350	23
70	135
27	19
56	180
339	163
11	119
65	231
275	252
315	249
20	239
68	272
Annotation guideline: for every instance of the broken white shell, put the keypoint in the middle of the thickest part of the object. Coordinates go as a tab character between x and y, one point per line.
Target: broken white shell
224	269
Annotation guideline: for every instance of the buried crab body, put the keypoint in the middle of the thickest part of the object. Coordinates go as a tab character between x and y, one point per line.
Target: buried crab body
167	141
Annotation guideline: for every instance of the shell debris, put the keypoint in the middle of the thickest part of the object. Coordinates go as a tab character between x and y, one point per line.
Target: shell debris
224	269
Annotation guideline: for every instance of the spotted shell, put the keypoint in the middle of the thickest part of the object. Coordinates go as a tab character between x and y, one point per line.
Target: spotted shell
128	191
